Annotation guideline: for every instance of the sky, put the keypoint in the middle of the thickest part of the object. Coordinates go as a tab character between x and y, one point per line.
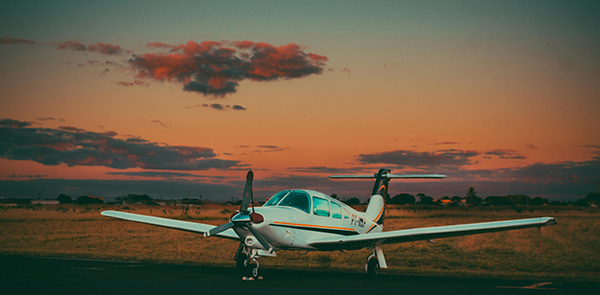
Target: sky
179	99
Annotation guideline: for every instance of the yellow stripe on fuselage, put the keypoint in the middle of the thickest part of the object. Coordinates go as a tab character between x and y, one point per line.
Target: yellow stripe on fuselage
313	226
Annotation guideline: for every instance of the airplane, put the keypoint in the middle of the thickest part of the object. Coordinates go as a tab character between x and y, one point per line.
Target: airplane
307	220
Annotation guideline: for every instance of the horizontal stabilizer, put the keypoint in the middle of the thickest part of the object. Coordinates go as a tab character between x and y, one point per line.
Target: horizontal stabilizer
389	176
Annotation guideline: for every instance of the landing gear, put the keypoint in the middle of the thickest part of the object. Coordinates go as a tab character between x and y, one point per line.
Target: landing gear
246	264
375	261
372	265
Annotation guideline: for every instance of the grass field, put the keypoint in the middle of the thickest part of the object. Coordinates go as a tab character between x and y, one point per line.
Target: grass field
571	249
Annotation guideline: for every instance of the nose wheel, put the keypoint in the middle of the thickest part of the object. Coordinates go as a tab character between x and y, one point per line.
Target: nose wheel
247	264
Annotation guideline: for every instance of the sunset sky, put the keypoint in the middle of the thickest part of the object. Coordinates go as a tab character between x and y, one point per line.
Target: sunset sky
179	99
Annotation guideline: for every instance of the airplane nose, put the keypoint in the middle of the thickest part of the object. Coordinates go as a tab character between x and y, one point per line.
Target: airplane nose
256	218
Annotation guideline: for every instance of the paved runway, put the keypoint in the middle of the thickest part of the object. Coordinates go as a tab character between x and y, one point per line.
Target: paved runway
45	275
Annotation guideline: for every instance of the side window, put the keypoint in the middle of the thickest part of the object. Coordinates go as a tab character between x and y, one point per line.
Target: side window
320	206
346	215
336	210
297	199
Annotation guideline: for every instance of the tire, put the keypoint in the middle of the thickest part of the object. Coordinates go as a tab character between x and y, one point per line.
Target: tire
373	266
251	270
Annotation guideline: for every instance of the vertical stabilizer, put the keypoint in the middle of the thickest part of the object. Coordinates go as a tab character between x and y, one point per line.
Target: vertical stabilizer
376	208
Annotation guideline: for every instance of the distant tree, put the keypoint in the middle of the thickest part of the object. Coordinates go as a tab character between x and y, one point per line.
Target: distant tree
472	197
557	203
423	199
134	198
15	201
456	199
497	201
581	203
64	199
519	199
352	201
86	200
593	198
537	201
335	196
403	199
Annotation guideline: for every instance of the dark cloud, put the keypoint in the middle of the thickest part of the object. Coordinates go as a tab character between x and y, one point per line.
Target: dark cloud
446	142
163	174
271	148
74	146
102	48
413	159
218	107
216	68
49	119
531	146
134	83
329	170
504	154
16	41
26	176
160	123
10	123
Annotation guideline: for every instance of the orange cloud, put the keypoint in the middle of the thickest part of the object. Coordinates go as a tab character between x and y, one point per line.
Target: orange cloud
213	68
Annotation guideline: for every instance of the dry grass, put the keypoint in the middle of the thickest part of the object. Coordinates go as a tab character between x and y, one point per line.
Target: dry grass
571	248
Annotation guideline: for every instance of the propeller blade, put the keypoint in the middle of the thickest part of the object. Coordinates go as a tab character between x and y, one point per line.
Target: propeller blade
261	240
247	192
217	229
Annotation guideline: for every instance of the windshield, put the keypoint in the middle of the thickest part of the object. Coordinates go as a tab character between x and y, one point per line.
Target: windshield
276	198
297	199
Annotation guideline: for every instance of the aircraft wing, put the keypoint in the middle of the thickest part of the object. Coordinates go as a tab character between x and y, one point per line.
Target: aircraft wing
194	227
427	233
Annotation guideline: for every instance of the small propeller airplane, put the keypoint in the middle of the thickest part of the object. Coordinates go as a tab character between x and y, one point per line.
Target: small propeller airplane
307	220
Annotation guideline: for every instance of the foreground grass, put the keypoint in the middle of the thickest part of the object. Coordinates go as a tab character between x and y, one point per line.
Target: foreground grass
571	248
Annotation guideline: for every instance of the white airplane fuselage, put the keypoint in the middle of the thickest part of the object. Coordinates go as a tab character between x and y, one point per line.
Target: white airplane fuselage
290	228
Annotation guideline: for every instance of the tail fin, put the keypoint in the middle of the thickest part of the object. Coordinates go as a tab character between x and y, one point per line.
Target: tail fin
375	210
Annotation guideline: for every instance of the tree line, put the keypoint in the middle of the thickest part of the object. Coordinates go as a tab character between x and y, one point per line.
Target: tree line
470	199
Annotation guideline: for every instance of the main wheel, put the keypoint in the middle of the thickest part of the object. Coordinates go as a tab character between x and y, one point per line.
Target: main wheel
373	266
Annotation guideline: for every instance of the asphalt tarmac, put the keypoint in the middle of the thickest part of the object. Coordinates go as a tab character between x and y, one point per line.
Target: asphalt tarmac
47	275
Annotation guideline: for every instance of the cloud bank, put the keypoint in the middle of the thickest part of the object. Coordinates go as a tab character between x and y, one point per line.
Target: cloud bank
77	147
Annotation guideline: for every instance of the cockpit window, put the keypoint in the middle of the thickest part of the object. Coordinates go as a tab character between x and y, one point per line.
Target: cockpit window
276	198
297	199
320	206
336	210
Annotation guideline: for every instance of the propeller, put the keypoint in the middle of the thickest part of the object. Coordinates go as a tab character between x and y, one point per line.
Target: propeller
243	218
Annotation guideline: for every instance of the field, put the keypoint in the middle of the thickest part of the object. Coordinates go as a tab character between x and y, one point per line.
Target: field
571	249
